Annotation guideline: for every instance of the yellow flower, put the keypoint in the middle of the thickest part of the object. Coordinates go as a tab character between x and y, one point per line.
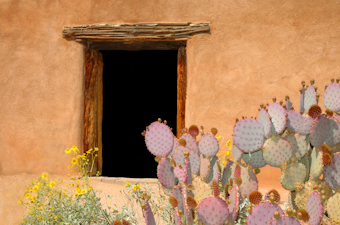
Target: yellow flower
69	167
74	161
35	189
72	185
67	151
27	195
52	184
55	217
77	181
39	208
89	151
96	149
83	191
127	184
44	175
137	186
228	143
134	187
33	197
76	195
90	188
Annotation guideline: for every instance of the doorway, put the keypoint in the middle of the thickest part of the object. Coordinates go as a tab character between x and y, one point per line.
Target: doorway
138	88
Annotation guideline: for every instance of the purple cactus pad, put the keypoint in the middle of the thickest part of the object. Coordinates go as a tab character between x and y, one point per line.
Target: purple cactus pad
332	173
295	121
193	156
285	220
248	135
212	211
314	208
333	137
331	97
159	139
208	145
310	98
255	159
265	121
278	115
263	213
165	174
237	153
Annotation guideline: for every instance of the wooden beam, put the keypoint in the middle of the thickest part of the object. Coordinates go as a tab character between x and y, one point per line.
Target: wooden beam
181	88
135	32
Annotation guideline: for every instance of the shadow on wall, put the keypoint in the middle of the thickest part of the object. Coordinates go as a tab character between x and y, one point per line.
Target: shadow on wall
138	88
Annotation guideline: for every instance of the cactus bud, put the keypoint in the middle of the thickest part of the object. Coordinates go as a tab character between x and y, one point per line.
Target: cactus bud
236	120
173	163
214	131
270	118
337	80
255	118
316	88
229	201
182	142
238	181
259	109
301	112
170	128
303	83
289	212
286	119
261	105
274	99
300	90
267	104
180	212
249	208
303	215
165	122
242	117
332	80
159	120
173	201
281	102
329	113
179	165
143	205
185	130
186	154
191	202
312	81
190	187
257	171
158	158
277	215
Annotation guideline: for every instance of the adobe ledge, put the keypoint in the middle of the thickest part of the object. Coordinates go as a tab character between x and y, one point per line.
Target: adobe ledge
124	180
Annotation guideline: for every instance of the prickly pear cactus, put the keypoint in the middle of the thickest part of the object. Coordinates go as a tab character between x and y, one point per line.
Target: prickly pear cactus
305	145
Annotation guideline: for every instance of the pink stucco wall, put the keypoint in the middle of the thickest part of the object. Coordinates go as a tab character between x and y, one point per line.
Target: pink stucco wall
256	50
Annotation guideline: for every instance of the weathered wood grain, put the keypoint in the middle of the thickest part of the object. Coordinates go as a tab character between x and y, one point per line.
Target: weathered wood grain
135	32
181	88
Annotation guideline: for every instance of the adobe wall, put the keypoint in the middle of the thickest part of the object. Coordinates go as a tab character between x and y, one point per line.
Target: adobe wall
256	50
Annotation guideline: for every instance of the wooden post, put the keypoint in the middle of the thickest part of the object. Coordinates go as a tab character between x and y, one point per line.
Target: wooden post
93	70
181	88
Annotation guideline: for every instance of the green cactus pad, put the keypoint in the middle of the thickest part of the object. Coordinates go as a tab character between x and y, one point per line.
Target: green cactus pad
295	172
333	137
306	162
298	143
319	130
277	151
333	207
310	98
201	190
291	200
316	163
254	159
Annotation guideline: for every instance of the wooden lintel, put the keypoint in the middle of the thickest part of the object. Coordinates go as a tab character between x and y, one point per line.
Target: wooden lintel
130	32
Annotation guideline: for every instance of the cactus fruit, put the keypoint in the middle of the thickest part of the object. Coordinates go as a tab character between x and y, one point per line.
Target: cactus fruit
303	215
314	111
255	197
193	131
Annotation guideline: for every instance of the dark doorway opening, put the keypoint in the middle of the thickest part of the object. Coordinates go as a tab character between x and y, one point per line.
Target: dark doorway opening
138	88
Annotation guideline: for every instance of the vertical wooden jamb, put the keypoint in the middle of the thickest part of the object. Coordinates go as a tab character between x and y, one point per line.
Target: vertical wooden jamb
100	113
93	69
181	88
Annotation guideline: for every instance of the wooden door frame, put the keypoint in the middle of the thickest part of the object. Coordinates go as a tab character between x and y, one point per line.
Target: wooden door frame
130	37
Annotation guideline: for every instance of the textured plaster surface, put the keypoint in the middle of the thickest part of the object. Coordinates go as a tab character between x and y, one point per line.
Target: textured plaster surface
256	50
